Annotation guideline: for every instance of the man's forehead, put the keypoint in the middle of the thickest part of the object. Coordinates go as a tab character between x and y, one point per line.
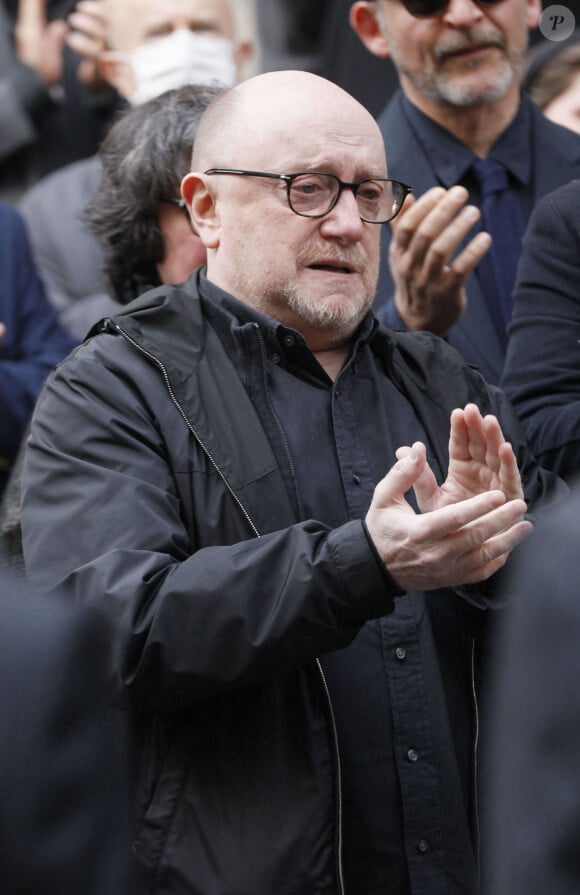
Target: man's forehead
133	21
304	143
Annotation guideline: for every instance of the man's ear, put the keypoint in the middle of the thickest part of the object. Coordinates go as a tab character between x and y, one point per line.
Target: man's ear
202	209
363	20
117	71
243	53
534	11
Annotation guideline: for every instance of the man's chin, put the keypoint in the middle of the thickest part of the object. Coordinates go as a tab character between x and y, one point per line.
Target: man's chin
337	312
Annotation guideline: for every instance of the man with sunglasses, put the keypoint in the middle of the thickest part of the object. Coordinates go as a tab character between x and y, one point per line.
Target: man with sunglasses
461	130
296	632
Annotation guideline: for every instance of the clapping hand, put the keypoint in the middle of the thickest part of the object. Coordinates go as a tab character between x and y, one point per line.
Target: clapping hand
429	281
468	526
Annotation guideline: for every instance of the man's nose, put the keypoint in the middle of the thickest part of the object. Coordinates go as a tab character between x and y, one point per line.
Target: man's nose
461	13
344	220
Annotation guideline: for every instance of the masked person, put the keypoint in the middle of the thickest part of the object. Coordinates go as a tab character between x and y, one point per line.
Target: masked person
154	46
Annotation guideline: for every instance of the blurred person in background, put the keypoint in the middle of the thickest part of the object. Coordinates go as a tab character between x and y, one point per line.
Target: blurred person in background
54	106
31	340
153	46
530	835
552	79
137	212
139	219
65	817
542	373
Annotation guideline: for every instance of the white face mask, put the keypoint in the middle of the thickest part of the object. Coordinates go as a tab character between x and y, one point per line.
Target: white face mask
181	58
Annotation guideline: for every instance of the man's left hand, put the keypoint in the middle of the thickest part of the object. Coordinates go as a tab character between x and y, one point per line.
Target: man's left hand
429	281
480	459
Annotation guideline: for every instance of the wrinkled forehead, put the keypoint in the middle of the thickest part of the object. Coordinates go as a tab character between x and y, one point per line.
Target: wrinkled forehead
310	134
133	22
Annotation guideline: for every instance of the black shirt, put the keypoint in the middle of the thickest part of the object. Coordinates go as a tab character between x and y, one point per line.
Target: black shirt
407	797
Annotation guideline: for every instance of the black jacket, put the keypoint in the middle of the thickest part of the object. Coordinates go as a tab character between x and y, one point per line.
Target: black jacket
542	373
162	484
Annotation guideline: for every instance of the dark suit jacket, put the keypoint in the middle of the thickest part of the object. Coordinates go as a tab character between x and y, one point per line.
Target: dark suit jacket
556	160
542	369
64	814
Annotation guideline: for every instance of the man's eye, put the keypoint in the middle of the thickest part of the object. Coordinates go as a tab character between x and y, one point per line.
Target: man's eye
308	189
308	186
369	192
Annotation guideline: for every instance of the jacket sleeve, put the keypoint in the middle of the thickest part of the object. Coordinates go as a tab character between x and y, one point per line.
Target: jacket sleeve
541	371
103	518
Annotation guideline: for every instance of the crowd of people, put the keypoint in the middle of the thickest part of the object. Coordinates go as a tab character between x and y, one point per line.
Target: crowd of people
289	367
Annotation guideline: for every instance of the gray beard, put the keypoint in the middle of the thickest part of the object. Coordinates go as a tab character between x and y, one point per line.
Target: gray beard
444	89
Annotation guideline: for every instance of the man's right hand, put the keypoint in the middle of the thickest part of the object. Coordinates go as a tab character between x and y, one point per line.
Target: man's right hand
461	543
88	37
429	282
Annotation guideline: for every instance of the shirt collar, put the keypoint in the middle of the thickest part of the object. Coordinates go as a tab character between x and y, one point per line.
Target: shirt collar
451	159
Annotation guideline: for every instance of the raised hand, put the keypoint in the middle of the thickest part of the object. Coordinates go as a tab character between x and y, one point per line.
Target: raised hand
429	285
88	37
465	535
39	44
480	459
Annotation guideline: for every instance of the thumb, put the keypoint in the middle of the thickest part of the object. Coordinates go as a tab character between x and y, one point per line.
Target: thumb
402	476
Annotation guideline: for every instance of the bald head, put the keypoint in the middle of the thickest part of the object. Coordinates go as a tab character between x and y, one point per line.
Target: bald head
286	112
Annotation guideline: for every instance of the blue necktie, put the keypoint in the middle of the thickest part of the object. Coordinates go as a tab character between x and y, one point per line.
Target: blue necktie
503	219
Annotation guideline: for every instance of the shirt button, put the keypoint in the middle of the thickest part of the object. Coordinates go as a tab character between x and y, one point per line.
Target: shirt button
288	340
401	653
275	358
413	755
423	846
356	478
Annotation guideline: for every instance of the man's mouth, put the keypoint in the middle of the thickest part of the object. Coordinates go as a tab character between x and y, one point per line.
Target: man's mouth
469	50
333	267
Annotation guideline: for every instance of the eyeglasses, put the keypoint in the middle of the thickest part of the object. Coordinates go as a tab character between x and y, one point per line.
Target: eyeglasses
427	8
312	194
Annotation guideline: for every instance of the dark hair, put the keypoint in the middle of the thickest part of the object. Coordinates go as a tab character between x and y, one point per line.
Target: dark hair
144	157
551	68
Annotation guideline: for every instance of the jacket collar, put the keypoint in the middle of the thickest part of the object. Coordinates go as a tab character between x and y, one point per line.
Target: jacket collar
167	326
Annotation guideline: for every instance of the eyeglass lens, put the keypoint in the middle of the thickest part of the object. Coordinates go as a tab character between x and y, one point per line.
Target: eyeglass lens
426	8
315	194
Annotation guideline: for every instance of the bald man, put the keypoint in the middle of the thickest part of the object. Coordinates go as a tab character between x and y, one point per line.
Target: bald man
294	520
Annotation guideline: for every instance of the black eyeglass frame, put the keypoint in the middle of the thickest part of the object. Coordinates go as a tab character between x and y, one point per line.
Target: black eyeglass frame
439	7
342	184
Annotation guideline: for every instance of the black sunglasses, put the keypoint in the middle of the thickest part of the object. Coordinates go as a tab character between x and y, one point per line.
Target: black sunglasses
427	8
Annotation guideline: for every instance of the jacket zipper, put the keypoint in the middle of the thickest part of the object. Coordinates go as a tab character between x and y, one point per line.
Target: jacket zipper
206	450
248	518
339	871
